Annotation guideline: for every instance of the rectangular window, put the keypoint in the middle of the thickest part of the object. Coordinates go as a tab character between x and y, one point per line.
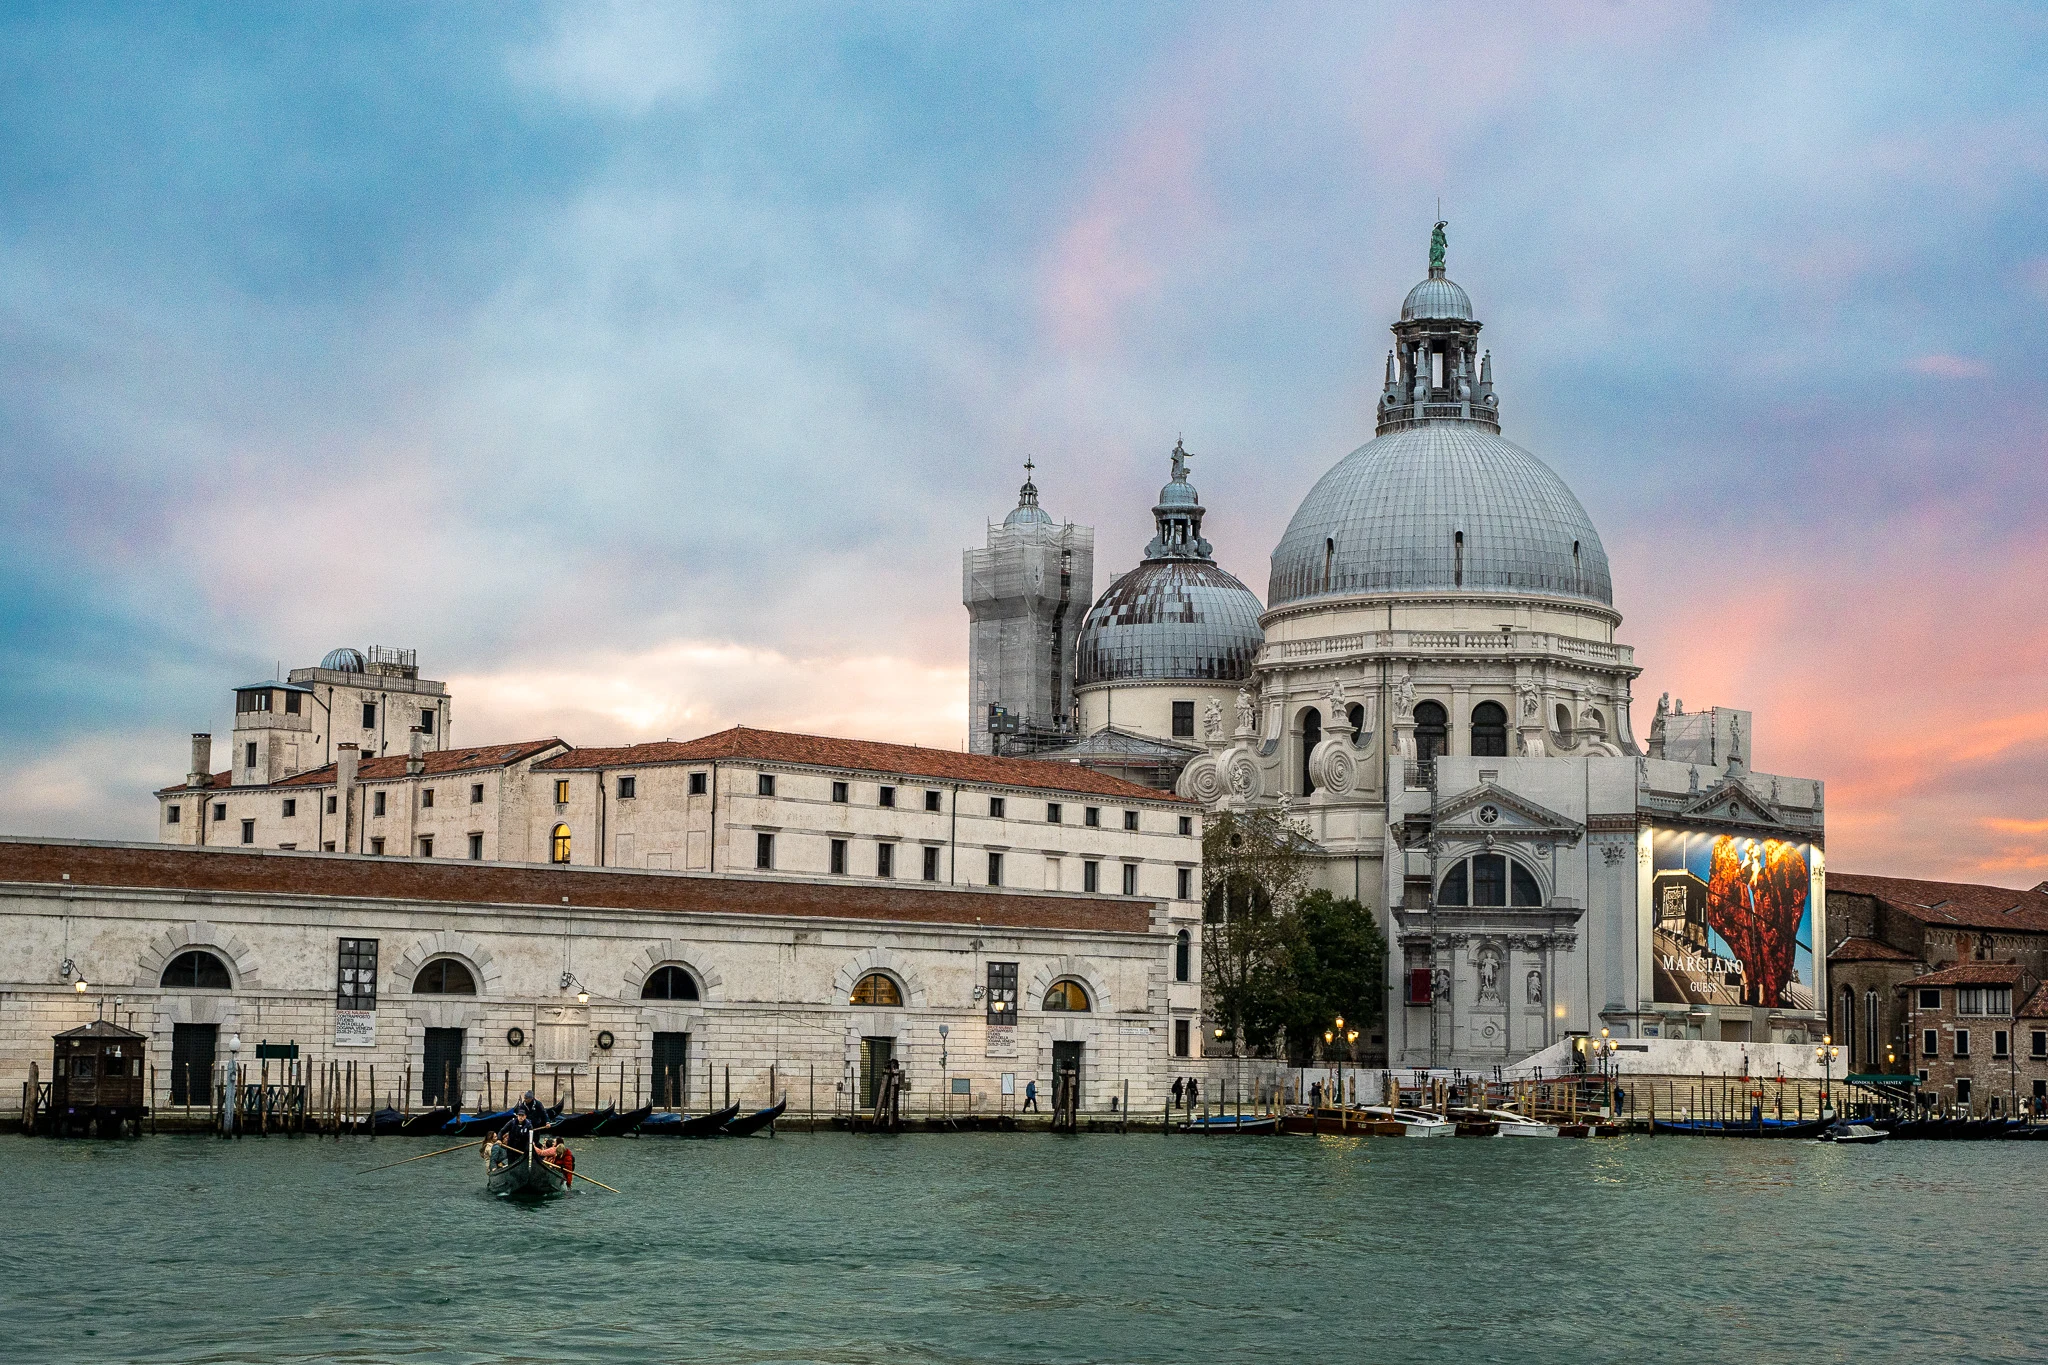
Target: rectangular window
1998	1000
328	847
931	800
171	814
561	791
291	703
1091	816
1970	1000
885	860
931	863
764	850
996	807
1930	1043
1962	1042
2040	1043
2001	1043
331	801
1130	879
377	803
699	783
1183	720
291	807
995	869
426	845
369	715
476	793
249	754
355	975
376	848
839	794
1930	1000
248	831
1052	812
426	721
764	785
1184	884
1130	819
1002	992
476	848
886	796
220	810
839	856
1962	1090
1180	1037
1187	825
628	788
1091	876
426	798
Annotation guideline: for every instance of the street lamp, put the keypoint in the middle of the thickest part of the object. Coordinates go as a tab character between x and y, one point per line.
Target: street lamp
1826	1054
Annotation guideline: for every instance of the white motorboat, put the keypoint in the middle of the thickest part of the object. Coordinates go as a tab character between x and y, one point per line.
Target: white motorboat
1518	1125
1415	1122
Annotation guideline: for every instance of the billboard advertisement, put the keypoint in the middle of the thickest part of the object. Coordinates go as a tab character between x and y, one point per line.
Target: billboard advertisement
1732	919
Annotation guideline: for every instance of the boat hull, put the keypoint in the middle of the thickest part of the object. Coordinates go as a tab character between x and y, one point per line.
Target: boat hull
748	1124
513	1175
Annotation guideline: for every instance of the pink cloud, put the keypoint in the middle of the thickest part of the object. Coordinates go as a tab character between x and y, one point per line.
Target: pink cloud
1949	366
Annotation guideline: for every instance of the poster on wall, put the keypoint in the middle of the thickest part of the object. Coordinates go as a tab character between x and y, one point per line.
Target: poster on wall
1732	919
355	1028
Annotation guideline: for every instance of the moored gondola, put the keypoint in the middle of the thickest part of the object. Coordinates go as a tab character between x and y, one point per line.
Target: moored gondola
748	1124
689	1125
584	1124
426	1121
1752	1128
1232	1125
620	1124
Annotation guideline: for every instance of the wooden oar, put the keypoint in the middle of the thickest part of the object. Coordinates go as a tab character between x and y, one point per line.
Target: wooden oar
576	1176
423	1156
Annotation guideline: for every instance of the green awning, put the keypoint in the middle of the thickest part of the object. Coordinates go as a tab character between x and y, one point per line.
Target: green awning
1881	1080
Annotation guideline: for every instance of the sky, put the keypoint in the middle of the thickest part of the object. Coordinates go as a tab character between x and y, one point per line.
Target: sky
648	367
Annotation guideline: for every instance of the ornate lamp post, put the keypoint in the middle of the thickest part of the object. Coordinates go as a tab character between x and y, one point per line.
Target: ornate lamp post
1826	1054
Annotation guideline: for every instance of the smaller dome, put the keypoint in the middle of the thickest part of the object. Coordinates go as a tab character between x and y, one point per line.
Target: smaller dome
1436	297
1032	515
1171	619
345	660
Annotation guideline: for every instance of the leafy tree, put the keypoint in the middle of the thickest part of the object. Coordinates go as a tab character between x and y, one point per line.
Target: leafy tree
1253	867
1336	959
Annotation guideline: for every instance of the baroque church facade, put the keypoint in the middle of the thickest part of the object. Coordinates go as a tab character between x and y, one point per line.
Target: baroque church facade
1435	692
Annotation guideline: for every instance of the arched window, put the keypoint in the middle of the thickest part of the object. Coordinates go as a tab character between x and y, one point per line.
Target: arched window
1564	724
1489	879
444	976
1845	1024
1329	559
669	983
1183	950
877	989
196	970
1067	995
1432	730
1489	730
1870	1048
558	845
1356	714
1311	735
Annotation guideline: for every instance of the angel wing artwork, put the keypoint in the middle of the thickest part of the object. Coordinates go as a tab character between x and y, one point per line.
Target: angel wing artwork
1756	896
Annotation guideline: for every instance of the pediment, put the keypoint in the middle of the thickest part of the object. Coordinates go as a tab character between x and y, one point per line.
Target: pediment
1490	808
1730	802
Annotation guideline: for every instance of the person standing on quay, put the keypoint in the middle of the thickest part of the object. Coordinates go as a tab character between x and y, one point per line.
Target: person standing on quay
1194	1088
1178	1086
1030	1096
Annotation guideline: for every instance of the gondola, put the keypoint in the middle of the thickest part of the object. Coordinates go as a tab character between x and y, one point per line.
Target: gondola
749	1124
520	1173
582	1125
1232	1125
475	1125
689	1125
427	1121
620	1124
1746	1128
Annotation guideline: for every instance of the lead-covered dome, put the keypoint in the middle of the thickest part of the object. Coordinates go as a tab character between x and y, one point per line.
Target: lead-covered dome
344	660
1436	298
1443	506
1175	616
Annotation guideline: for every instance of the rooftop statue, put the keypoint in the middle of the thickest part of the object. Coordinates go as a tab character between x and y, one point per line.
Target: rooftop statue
1436	248
1180	462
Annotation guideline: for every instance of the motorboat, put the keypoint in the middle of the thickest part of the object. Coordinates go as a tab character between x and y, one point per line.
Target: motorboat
1849	1131
1507	1123
1232	1125
1415	1123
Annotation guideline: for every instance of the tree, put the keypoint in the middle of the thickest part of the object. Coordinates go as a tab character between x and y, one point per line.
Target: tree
1335	964
1253	867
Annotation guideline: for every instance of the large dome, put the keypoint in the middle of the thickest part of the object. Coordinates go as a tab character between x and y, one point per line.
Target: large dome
1434	298
1440	506
1171	618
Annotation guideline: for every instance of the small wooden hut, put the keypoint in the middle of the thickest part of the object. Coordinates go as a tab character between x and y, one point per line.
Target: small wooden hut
97	1081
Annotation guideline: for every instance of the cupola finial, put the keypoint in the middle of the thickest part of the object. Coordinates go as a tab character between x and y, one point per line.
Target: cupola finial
1436	250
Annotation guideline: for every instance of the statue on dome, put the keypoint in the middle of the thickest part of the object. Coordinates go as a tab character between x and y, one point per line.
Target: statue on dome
1436	248
1180	462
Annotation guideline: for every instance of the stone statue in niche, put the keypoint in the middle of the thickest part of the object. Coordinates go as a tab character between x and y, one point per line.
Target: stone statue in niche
1693	780
1212	719
1246	712
1404	696
1527	689
1536	985
1489	973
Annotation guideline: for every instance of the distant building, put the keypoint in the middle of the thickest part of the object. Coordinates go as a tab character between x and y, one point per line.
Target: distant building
1026	592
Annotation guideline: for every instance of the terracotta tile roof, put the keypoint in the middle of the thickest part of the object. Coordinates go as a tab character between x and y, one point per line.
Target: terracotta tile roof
476	758
2037	1008
1868	950
1964	904
862	755
448	880
1970	974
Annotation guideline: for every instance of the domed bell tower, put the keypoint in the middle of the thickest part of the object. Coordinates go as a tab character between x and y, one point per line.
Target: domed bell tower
1436	369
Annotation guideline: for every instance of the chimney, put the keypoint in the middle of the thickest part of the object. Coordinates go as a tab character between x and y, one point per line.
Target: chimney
416	758
202	762
344	788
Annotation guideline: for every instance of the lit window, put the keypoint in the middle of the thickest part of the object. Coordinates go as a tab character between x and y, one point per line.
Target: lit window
877	989
561	791
558	845
1067	995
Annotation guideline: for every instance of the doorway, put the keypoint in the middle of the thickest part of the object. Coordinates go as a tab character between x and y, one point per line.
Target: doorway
441	1071
1066	1061
192	1052
875	1056
671	1070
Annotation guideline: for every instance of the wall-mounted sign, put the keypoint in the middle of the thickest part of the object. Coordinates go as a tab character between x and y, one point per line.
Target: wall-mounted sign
355	1028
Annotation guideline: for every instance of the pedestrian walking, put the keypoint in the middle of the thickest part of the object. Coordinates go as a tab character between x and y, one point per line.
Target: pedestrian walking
1194	1089
1178	1086
1030	1095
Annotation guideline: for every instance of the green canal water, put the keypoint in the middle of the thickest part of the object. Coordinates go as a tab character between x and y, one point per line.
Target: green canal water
1030	1248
